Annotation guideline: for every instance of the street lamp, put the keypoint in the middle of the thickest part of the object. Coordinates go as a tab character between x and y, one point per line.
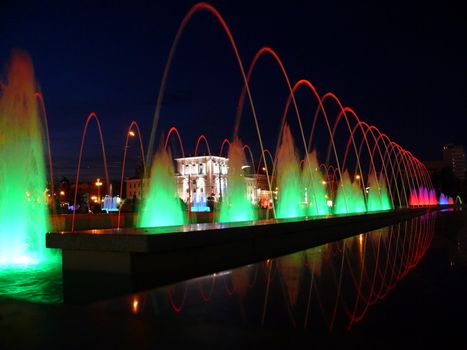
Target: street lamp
131	133
98	185
357	177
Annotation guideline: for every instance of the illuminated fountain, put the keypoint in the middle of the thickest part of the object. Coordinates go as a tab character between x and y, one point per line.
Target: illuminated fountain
432	197
291	192
349	198
161	205
423	197
315	187
445	200
378	197
23	211
305	192
110	202
301	191
235	205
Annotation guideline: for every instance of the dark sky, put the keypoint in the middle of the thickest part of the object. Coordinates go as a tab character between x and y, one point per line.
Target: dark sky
401	66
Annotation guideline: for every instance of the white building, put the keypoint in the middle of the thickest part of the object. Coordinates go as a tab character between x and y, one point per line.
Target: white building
201	177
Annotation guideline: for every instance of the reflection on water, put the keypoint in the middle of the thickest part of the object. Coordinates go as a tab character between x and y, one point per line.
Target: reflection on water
41	283
324	288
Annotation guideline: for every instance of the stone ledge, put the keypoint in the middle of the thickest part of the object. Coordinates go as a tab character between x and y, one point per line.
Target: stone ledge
98	264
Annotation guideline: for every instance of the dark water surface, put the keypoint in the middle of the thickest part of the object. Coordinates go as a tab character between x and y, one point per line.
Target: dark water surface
401	286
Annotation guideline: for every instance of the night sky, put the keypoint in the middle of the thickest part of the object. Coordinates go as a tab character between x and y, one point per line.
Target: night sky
400	66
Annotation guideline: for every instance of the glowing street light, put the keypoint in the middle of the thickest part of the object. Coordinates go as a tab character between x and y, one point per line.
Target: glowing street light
62	193
357	177
134	306
131	133
98	185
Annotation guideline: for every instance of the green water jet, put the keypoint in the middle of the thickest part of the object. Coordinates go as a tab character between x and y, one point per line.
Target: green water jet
23	209
235	205
315	187
290	197
378	197
349	198
161	204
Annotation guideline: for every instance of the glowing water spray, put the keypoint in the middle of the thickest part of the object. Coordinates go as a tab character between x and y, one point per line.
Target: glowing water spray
349	198
291	191
162	206
315	187
235	205
23	210
378	197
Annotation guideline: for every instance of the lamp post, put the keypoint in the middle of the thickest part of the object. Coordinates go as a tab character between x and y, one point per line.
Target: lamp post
189	192
98	185
220	183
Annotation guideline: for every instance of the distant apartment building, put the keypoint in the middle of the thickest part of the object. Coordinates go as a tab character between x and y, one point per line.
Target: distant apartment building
454	155
134	188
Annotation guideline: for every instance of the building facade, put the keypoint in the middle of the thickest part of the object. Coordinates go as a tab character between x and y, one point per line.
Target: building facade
203	179
454	155
134	188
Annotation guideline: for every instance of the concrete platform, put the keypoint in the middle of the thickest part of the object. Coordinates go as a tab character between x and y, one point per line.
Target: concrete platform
102	263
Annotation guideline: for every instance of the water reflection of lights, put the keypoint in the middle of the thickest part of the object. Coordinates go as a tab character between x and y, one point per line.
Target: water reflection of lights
323	288
134	306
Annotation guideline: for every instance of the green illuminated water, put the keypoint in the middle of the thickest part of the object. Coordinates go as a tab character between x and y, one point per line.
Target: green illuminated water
315	187
349	198
291	269
314	259
378	197
235	205
39	283
23	210
290	195
161	205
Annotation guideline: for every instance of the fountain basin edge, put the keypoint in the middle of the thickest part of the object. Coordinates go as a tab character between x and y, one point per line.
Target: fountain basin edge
99	264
